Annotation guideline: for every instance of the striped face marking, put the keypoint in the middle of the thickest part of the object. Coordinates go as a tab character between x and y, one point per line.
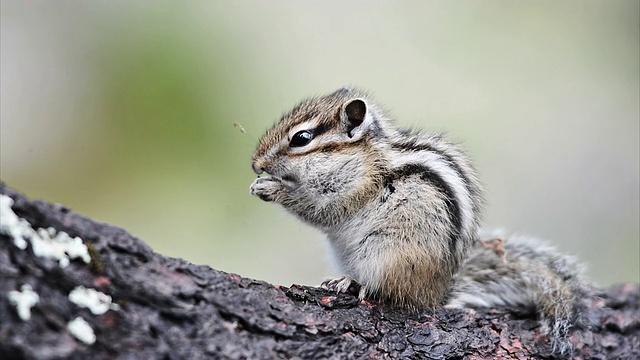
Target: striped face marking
320	125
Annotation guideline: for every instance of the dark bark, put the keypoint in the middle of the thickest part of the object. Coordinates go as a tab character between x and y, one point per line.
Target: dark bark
176	310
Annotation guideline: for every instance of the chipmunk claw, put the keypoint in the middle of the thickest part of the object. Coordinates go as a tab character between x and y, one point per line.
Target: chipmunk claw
344	284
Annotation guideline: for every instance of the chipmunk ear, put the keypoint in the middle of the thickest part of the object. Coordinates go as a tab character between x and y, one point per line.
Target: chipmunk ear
355	112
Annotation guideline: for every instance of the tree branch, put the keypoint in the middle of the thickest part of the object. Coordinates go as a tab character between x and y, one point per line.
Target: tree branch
168	308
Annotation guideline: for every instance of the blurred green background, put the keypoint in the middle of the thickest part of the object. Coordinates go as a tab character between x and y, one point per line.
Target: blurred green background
124	112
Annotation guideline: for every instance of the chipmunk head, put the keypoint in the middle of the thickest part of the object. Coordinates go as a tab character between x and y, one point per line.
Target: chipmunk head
322	151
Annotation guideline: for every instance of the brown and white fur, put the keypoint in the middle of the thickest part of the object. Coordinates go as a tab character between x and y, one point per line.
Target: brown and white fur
401	211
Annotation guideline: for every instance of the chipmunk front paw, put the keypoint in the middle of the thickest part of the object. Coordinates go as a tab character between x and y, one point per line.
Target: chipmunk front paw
267	188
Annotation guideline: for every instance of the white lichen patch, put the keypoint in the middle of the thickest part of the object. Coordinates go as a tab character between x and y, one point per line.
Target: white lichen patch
11	224
59	246
81	330
24	300
45	242
98	303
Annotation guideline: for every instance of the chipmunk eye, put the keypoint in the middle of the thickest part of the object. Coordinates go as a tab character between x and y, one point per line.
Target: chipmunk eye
301	138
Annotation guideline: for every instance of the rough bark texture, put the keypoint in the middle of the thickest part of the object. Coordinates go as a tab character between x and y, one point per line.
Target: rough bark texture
171	309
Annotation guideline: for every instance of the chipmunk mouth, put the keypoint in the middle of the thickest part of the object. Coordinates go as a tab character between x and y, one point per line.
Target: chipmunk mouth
287	179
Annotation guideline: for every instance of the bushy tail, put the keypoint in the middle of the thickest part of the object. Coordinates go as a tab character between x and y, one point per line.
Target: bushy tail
525	276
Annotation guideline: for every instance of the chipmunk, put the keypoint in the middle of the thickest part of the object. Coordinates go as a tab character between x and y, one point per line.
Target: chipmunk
401	210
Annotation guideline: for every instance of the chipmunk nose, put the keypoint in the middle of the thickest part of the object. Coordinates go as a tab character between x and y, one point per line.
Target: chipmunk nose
257	168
